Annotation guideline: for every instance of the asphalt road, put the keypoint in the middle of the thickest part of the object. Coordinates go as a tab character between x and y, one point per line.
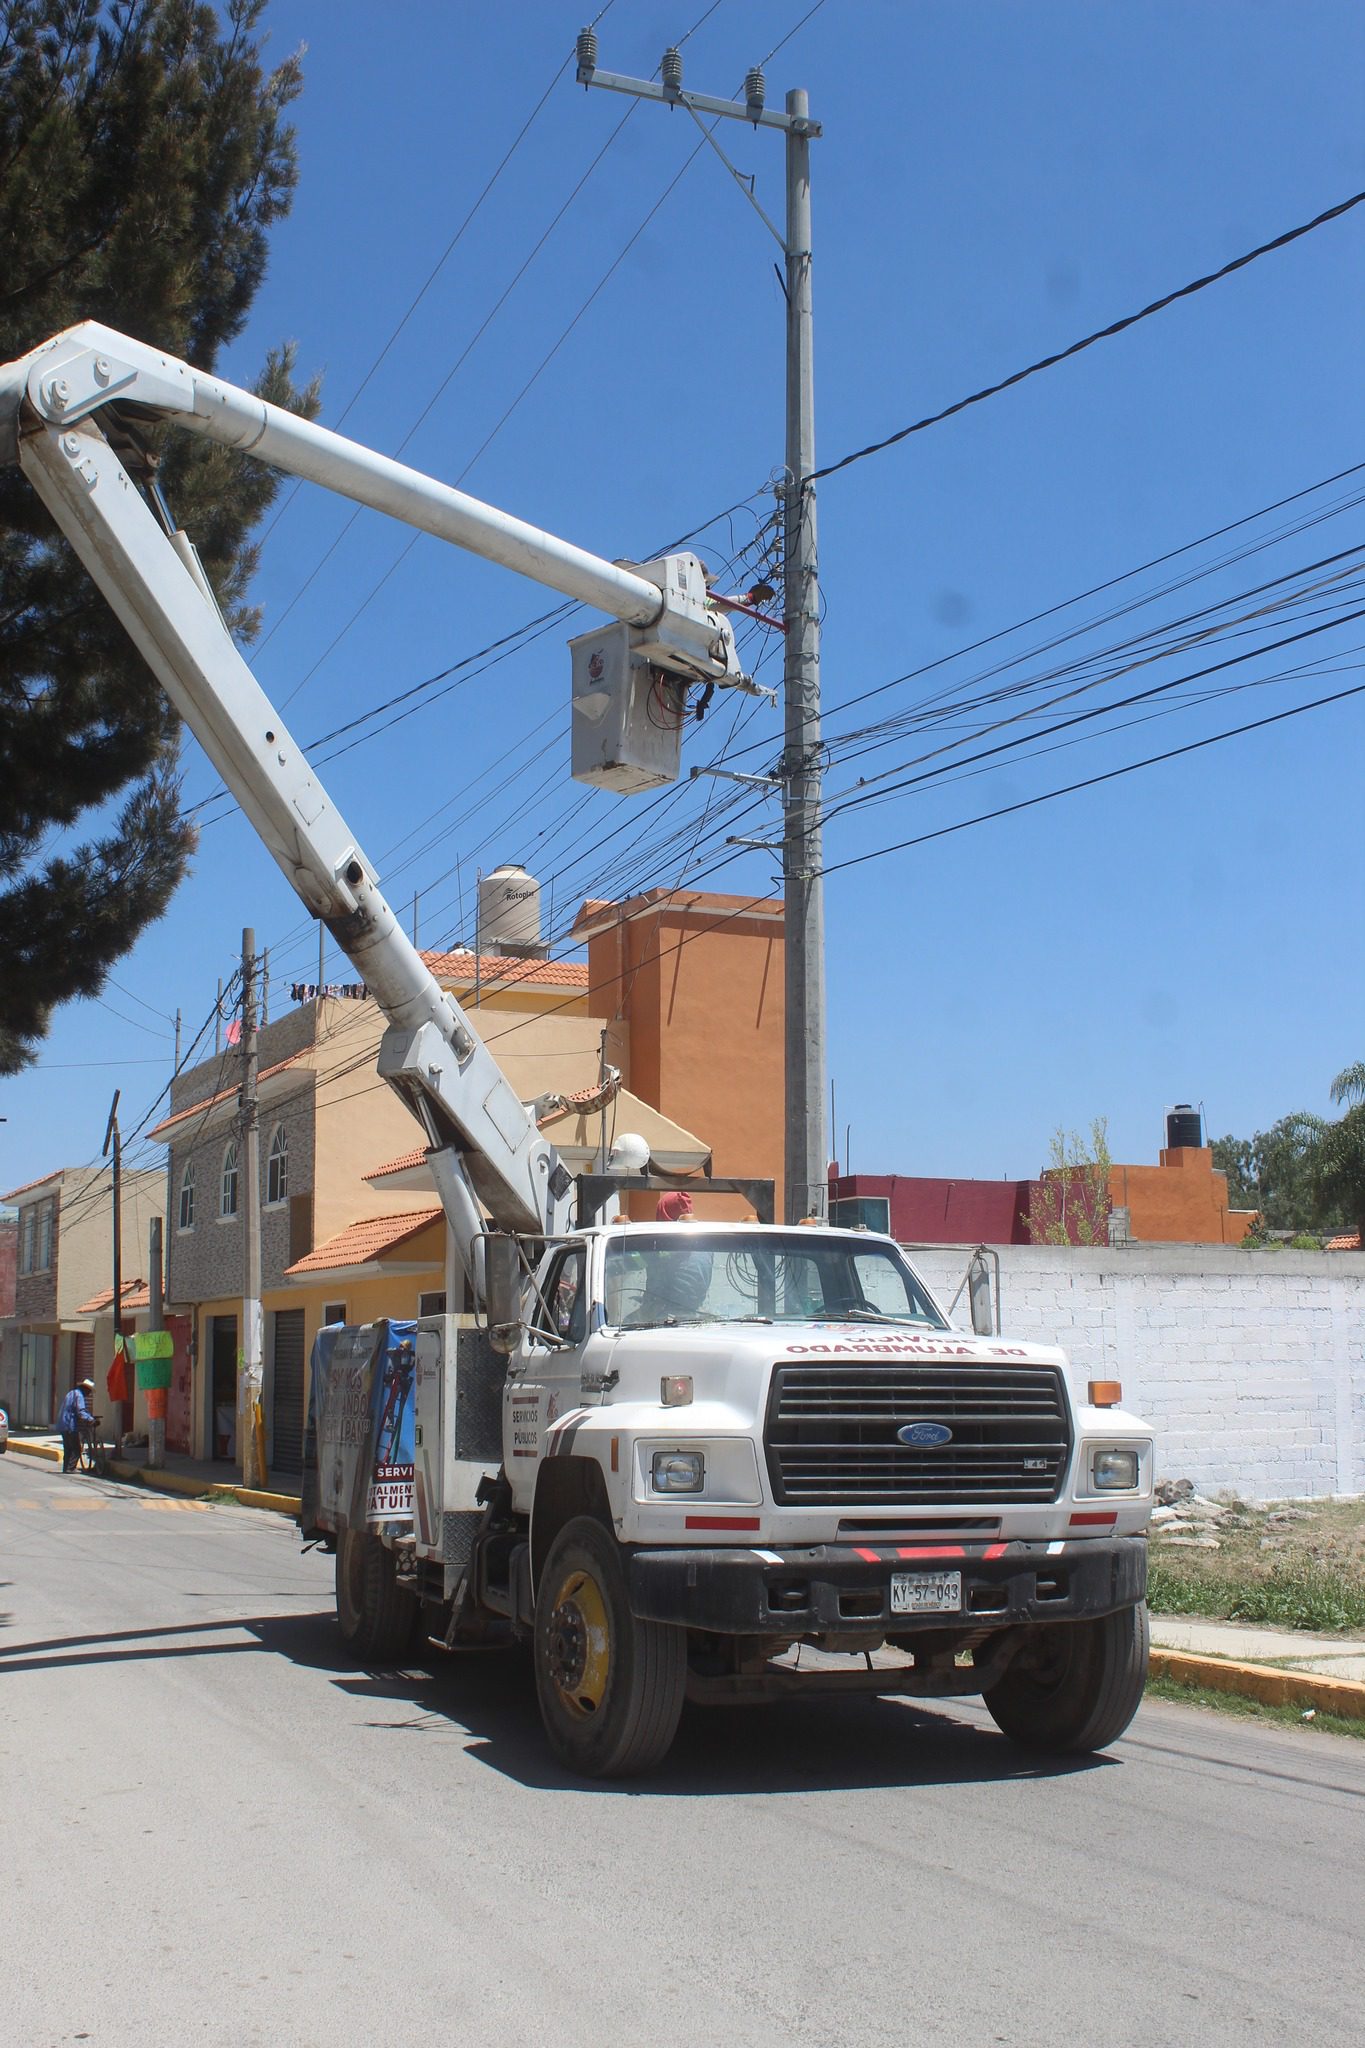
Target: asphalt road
213	1829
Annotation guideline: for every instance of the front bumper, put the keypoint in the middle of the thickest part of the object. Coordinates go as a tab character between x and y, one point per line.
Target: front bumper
843	1589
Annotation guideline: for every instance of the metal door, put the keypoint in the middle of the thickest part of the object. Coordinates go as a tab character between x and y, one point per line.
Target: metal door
287	1405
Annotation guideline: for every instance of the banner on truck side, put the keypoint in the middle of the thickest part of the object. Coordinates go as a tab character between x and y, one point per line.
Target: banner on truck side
358	1462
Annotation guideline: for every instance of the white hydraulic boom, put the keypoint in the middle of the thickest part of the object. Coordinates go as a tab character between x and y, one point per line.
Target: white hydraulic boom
484	1145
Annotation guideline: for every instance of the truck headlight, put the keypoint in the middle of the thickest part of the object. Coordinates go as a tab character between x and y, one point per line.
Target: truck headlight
678	1471
1112	1471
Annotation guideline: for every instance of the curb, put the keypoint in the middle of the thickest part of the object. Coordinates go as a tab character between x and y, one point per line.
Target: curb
1264	1682
31	1450
179	1482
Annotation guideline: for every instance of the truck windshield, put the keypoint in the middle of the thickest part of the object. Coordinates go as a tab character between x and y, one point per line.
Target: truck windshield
681	1275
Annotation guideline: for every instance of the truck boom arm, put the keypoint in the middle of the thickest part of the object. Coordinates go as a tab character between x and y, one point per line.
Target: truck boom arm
483	1143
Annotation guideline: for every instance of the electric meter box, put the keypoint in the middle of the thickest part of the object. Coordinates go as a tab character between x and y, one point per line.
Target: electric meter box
627	714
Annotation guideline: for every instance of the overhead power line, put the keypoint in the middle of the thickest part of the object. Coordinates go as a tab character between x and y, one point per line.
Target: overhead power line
1093	781
1184	291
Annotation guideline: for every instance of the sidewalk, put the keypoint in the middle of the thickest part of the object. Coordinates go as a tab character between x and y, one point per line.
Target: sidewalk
194	1476
1293	1649
1280	1667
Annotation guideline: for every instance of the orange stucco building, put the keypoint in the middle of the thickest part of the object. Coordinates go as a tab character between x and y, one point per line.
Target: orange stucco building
1183	1200
697	981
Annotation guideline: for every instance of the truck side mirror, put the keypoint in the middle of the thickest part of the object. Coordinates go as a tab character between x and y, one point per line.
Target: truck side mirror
501	1288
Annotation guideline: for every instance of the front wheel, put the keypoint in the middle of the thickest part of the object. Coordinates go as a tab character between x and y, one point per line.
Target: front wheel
1076	1687
377	1616
610	1685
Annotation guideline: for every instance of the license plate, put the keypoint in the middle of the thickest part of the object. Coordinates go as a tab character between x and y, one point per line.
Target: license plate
926	1592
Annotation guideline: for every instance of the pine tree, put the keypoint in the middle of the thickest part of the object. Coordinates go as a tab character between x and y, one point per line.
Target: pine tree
144	153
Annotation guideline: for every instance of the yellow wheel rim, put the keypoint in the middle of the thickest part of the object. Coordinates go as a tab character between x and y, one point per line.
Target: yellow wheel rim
580	1644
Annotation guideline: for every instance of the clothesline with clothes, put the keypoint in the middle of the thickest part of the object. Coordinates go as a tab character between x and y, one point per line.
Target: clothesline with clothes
307	991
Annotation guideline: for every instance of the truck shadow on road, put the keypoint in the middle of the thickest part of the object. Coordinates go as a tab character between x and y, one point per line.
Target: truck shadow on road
815	1745
486	1703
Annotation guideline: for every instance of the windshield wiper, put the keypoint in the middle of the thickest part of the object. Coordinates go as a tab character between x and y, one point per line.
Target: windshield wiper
864	1315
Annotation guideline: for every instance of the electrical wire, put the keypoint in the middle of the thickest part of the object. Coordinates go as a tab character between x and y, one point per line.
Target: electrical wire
1090	781
1115	327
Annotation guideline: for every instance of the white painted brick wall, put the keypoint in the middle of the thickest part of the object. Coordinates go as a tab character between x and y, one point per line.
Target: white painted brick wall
1249	1365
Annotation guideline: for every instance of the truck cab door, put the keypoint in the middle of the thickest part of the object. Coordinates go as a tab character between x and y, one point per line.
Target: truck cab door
543	1381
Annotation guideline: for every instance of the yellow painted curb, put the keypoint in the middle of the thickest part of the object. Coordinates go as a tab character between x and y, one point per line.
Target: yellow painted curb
1264	1682
181	1482
52	1451
275	1503
164	1482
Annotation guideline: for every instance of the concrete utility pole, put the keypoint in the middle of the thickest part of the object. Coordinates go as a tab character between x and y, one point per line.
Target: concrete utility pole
112	1137
250	1357
156	1424
806	1158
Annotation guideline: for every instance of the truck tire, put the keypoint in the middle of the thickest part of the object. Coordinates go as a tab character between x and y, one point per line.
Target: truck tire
378	1617
1080	1690
610	1685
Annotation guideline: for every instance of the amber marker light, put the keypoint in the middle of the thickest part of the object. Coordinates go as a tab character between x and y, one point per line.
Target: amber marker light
1104	1393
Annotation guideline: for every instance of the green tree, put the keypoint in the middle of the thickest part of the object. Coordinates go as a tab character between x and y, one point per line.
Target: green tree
1071	1202
144	153
1269	1173
1335	1151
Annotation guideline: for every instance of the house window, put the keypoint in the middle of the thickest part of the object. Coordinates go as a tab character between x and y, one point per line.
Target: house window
335	1312
186	1219
30	1218
431	1304
227	1200
42	1257
277	1170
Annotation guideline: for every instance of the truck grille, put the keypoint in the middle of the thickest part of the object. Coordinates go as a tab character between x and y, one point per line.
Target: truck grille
830	1434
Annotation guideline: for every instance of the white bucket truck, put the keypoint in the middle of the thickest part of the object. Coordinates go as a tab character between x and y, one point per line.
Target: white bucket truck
696	1460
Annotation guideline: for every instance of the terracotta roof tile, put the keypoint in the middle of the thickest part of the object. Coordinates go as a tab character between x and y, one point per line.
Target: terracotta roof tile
136	1295
499	968
28	1185
402	1164
364	1241
171	1123
1349	1242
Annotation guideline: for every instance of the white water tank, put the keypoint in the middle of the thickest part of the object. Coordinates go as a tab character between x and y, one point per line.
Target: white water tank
509	912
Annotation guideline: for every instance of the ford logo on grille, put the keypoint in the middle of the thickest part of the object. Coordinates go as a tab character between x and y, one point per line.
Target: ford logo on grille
925	1435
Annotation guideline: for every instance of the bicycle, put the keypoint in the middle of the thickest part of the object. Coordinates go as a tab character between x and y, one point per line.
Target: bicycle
94	1455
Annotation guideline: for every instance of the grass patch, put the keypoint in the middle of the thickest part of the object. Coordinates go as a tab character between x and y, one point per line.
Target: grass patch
1298	1593
221	1496
1251	1710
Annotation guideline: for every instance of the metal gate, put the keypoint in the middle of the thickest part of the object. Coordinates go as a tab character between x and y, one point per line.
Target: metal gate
287	1404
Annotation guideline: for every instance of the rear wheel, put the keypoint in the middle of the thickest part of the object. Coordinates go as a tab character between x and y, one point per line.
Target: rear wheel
1077	1686
610	1685
377	1616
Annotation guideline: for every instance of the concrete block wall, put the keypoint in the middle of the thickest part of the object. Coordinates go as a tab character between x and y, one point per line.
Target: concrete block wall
1250	1365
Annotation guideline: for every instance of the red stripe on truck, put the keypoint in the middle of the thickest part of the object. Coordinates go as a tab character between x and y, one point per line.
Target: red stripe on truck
721	1522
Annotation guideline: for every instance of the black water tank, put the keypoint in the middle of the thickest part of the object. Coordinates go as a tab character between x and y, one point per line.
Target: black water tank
1183	1126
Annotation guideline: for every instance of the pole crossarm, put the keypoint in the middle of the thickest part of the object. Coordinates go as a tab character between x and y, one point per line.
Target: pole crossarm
696	102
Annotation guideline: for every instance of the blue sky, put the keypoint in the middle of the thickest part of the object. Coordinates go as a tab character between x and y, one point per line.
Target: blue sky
994	181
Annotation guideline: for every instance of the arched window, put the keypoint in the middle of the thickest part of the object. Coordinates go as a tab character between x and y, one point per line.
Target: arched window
187	1196
227	1201
277	1171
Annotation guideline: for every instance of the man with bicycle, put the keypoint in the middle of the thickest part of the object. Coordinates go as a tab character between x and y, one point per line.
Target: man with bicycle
74	1411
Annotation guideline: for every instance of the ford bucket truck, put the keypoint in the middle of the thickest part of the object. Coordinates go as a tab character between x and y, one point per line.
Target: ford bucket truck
686	1460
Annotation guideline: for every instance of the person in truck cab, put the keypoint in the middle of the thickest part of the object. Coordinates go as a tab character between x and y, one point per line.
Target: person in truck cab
676	1280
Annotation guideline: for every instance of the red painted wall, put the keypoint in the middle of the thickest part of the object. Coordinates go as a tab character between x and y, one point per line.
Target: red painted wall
944	1211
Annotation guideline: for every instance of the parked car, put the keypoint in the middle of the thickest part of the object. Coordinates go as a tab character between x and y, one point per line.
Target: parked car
4	1429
